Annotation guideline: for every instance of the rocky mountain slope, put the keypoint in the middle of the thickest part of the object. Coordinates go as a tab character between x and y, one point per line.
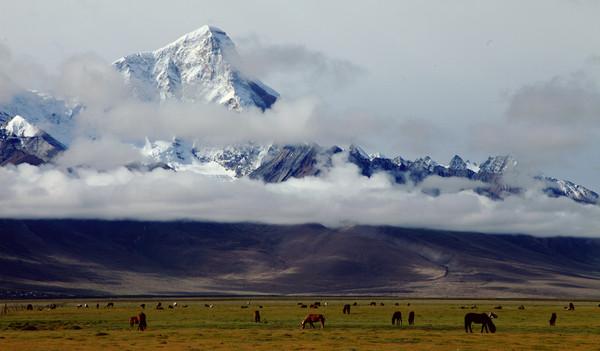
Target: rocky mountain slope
199	66
126	257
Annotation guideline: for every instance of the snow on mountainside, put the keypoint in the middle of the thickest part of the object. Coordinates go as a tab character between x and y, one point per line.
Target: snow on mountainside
53	115
22	142
199	66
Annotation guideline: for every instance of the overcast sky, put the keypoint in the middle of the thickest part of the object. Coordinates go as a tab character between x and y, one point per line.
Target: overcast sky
467	77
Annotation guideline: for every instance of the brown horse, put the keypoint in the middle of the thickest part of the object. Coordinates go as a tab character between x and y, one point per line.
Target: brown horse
346	309
133	321
571	306
411	318
256	316
397	318
553	319
311	318
485	319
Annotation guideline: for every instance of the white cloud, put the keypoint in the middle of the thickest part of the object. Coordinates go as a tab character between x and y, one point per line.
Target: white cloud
341	197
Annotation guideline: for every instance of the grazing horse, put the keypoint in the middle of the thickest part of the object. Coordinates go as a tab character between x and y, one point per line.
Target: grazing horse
411	318
311	318
303	306
313	306
553	319
29	307
110	305
499	307
571	306
485	319
142	321
373	303
134	321
356	304
143	306
397	318
256	316
346	309
522	307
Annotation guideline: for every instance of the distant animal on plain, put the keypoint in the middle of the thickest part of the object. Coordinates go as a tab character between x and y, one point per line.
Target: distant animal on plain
110	305
244	306
300	303
498	307
485	319
142	321
312	318
411	318
256	316
356	304
79	305
521	307
317	304
303	306
143	306
474	307
346	309
396	304
174	304
373	303
397	318
553	319
260	306
85	305
135	320
313	306
97	306
171	306
382	304
29	307
159	306
571	306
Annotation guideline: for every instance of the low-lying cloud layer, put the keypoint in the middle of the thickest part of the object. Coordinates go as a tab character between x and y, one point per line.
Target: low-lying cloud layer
341	197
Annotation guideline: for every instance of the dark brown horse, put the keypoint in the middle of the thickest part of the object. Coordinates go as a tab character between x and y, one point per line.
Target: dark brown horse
397	318
312	318
143	324
256	316
553	319
411	318
346	309
485	319
571	306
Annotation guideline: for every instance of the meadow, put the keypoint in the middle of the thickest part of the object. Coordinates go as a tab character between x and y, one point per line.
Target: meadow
228	326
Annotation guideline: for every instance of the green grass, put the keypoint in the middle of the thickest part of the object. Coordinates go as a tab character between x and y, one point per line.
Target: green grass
439	326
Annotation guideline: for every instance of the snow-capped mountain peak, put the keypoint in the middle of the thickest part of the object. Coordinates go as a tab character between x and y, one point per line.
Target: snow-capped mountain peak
199	66
18	126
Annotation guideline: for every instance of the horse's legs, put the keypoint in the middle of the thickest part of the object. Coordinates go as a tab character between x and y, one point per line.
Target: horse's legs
312	325
322	323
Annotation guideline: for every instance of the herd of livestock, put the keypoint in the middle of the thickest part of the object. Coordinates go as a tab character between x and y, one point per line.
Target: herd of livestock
485	319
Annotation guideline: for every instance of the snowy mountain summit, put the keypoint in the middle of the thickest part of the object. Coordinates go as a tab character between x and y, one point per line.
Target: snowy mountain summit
202	65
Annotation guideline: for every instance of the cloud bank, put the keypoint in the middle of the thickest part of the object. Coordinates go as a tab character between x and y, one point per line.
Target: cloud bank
340	197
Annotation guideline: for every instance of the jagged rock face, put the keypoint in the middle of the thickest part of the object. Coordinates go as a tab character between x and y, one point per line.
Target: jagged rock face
53	115
283	163
199	66
559	188
21	142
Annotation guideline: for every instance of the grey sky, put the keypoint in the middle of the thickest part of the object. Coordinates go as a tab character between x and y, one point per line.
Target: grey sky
446	72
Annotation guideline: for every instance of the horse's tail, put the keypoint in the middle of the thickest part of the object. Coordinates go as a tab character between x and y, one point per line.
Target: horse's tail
491	326
467	322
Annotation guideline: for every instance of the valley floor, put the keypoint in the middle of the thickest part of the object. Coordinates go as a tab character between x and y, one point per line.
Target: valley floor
228	326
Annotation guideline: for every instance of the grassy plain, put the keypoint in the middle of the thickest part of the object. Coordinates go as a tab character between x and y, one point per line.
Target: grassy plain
227	326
